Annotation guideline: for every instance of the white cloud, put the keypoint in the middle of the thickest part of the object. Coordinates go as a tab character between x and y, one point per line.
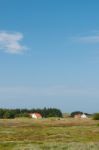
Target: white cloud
86	39
10	42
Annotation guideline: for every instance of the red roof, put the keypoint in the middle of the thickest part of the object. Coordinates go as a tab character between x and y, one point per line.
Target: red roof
38	115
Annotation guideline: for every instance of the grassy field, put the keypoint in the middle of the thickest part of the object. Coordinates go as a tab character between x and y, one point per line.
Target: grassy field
49	134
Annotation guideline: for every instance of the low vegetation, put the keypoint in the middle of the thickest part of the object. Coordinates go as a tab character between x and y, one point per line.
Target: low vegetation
54	131
49	134
96	116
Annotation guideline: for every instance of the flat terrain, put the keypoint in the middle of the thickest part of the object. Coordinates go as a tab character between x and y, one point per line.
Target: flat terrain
49	134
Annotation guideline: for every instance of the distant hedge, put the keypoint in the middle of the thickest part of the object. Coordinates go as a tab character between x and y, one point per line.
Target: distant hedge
45	112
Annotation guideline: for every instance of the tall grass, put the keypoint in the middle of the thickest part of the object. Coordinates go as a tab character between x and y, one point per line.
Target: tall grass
49	134
49	146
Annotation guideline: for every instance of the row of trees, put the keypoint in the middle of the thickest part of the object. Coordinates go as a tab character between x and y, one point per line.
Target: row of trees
45	112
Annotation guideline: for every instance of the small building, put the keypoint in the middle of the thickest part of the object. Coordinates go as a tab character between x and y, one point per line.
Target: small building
77	116
83	116
36	115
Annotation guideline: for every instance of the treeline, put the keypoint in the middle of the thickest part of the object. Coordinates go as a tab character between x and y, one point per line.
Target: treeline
45	112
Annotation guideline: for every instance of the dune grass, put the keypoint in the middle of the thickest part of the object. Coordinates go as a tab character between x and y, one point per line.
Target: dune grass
47	134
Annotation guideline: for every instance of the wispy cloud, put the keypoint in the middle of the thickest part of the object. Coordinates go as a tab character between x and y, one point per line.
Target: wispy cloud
92	39
49	91
10	42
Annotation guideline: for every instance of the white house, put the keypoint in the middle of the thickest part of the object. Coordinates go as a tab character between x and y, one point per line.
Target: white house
84	116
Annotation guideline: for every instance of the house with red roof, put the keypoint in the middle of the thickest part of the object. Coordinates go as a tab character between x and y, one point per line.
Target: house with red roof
36	115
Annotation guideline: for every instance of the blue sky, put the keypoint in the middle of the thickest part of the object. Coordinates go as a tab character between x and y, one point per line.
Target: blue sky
49	54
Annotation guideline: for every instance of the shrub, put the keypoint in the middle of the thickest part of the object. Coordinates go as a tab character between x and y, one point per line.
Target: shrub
23	115
96	116
9	114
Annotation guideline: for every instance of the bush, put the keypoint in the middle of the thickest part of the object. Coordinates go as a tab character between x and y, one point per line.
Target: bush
9	114
96	116
23	115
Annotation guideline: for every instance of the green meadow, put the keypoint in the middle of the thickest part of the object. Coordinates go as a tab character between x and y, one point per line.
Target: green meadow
49	134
